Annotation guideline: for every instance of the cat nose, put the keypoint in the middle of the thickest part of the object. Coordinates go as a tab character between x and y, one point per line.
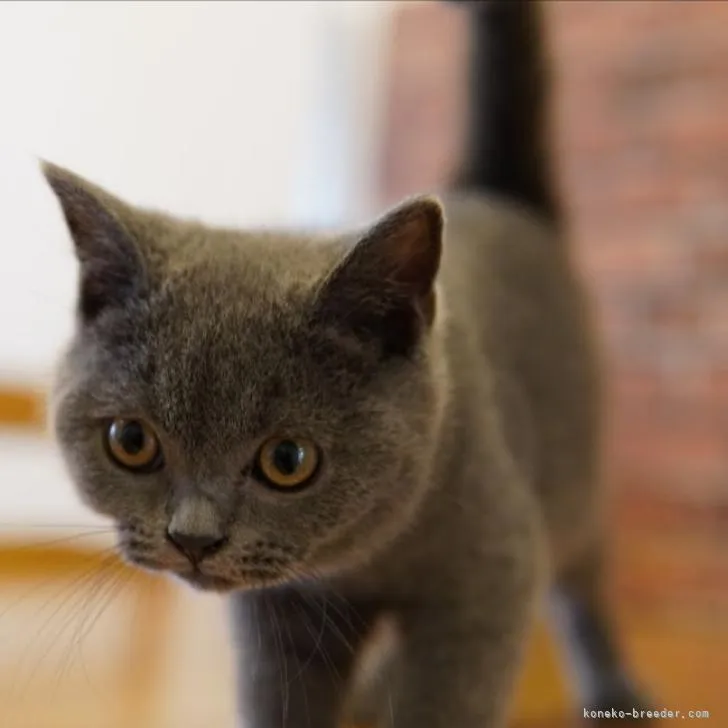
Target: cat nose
195	547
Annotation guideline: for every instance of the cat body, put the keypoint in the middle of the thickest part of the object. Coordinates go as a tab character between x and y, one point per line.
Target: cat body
389	436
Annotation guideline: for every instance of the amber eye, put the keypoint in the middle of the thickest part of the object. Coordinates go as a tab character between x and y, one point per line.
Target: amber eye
288	462
133	444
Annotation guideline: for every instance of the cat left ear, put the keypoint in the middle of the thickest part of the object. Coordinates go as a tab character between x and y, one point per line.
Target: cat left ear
112	270
384	289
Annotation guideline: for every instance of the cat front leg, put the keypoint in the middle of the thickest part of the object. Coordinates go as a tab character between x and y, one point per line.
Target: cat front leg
296	654
460	657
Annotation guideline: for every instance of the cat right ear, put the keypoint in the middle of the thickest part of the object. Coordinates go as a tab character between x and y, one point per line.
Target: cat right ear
112	268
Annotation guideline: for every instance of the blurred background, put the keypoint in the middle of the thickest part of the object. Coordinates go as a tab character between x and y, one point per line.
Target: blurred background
321	114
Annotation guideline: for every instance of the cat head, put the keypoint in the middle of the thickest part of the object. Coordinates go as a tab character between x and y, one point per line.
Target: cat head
249	408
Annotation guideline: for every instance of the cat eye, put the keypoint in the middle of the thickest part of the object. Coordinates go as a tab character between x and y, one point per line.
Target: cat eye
288	463
133	445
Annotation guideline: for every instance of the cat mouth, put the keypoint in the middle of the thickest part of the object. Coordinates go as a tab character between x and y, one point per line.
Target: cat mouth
194	576
205	581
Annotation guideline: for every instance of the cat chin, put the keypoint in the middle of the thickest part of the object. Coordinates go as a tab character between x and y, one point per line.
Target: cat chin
207	582
213	583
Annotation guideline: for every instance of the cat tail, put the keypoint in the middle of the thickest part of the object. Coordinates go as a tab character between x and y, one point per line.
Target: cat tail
508	136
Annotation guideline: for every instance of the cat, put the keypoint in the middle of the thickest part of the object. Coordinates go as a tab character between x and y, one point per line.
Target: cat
383	445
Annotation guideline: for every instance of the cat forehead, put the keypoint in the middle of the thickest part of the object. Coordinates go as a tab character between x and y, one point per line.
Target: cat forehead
236	290
184	253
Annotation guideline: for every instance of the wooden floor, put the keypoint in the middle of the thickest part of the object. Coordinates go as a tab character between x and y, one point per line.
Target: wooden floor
683	667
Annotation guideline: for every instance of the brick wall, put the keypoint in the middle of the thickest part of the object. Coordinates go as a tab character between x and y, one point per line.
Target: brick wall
641	133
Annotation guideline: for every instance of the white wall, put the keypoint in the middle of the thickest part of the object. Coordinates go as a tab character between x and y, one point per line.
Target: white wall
246	113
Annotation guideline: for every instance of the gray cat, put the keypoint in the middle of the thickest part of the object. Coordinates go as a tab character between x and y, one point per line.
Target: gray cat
383	444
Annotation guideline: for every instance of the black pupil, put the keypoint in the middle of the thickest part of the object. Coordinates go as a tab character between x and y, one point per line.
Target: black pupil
287	457
132	438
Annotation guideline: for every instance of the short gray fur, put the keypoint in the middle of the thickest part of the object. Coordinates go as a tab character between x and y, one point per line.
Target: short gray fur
444	362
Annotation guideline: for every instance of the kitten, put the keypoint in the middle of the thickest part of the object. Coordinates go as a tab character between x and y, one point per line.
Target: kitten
388	434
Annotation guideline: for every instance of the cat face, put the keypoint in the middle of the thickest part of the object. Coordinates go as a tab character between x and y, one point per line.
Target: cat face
248	409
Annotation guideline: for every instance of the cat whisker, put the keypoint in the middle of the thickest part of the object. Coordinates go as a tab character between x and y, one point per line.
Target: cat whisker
106	585
106	553
117	585
328	620
76	589
299	672
35	543
349	609
318	640
283	674
320	644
